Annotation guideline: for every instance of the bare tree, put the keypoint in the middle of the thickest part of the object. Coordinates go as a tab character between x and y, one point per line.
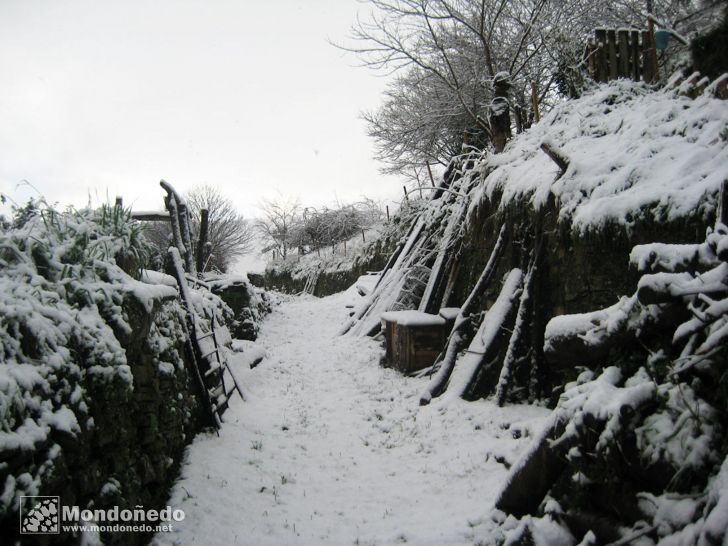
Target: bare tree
466	68
279	223
229	234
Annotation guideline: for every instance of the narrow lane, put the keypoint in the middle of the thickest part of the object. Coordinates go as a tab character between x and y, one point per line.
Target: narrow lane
331	448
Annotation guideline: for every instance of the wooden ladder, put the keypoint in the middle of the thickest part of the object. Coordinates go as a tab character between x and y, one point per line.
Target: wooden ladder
208	362
213	366
209	365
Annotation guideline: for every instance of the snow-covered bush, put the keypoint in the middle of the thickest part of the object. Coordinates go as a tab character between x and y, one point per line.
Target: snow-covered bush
637	449
93	381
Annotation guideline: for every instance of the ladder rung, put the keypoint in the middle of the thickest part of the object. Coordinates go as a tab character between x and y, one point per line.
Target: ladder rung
217	391
215	367
218	404
210	353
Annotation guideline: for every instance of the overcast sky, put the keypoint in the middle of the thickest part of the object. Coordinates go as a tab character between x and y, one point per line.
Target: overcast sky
105	98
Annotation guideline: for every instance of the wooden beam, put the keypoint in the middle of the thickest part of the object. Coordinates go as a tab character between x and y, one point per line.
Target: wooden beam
556	155
151	216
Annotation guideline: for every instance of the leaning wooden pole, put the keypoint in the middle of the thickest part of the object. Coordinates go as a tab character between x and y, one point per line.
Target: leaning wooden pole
519	332
179	216
456	341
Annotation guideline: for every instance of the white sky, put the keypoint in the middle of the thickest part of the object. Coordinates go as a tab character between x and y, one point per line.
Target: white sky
105	98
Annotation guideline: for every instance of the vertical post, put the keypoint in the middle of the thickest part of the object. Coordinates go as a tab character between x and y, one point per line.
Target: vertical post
722	216
119	203
387	207
534	100
406	197
634	44
432	178
624	59
612	54
344	247
646	57
652	52
202	240
600	35
363	239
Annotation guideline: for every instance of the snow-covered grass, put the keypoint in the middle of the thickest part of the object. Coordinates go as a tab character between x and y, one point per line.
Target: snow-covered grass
329	258
632	152
62	319
331	448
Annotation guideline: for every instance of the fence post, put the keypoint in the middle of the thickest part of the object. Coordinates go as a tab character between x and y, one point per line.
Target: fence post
624	57
202	240
600	35
634	43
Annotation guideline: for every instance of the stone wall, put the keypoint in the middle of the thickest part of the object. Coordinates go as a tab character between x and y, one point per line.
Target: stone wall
578	272
132	436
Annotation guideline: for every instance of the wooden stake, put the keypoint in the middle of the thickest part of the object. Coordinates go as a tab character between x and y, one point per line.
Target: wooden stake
363	239
202	239
406	197
557	156
534	100
723	204
653	51
429	171
387	207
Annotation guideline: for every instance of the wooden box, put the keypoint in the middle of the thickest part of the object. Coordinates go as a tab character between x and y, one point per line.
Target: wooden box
414	339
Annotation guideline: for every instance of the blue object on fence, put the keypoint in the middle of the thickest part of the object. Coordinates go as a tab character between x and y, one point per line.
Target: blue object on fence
662	38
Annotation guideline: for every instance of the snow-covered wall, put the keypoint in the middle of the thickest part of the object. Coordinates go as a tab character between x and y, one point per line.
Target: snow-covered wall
96	403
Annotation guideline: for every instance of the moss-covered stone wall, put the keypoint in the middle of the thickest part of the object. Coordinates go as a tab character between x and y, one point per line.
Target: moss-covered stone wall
132	439
578	271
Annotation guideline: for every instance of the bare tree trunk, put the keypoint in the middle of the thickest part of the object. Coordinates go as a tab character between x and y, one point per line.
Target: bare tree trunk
500	117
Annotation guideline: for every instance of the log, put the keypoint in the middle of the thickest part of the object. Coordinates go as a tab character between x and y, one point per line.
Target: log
556	155
535	473
430	302
456	340
519	332
475	373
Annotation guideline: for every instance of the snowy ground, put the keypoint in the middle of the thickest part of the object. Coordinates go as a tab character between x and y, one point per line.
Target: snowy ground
331	448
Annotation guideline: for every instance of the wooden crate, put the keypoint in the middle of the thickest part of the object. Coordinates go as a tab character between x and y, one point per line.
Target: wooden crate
414	339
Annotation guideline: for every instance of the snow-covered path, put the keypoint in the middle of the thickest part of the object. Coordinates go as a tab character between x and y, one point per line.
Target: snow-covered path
331	448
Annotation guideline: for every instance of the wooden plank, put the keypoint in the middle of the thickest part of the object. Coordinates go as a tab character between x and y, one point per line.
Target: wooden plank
144	216
647	72
723	203
624	56
634	45
600	36
612	54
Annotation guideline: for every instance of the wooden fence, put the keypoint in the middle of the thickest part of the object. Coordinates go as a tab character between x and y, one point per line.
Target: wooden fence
623	53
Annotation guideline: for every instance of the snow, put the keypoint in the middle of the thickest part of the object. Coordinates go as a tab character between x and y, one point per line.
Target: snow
413	318
489	329
632	152
331	448
449	313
